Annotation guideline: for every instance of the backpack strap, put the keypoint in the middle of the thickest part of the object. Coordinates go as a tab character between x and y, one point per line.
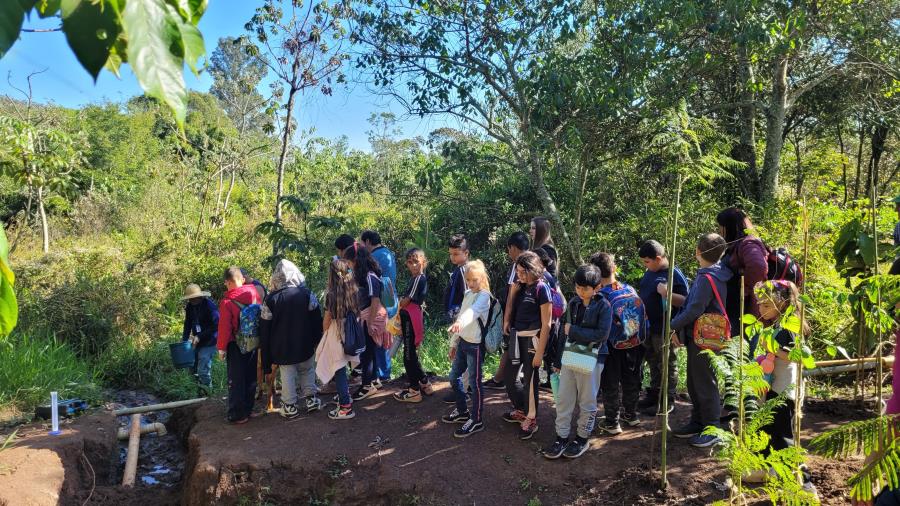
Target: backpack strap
239	305
716	293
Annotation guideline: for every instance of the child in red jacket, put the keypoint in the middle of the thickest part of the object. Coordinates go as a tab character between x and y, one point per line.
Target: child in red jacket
241	366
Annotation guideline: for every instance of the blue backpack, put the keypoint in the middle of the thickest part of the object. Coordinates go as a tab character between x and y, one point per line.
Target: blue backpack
492	329
630	324
247	336
354	337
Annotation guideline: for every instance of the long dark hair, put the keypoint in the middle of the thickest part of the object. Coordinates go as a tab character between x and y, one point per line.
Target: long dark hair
363	262
541	232
341	290
735	222
531	263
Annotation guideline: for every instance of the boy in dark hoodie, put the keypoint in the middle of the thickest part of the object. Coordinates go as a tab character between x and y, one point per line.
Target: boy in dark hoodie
585	332
707	295
241	366
290	329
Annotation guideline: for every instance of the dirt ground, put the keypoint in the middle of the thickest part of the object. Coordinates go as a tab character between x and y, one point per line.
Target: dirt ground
391	453
316	460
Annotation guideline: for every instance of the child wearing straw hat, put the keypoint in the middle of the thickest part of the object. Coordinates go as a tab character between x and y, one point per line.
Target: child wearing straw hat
201	326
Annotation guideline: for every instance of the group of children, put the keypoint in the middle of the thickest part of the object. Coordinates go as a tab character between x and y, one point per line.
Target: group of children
596	347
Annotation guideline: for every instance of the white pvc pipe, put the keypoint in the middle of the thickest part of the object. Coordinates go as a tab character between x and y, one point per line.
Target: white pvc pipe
54	413
157	427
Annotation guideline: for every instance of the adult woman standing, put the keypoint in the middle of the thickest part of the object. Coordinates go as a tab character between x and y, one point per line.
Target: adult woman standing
540	238
747	256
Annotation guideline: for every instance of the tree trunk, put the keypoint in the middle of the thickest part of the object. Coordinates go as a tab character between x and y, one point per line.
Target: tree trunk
843	163
745	150
228	195
859	151
775	114
285	143
800	175
536	171
879	138
45	229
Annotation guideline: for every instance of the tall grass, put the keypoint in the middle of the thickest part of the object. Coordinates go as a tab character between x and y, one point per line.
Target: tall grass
34	365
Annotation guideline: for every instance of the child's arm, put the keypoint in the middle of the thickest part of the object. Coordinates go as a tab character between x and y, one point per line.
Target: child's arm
186	330
404	301
326	321
594	335
696	306
546	315
677	298
507	314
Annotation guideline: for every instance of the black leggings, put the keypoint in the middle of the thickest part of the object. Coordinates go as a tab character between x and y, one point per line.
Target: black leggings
414	372
781	430
524	398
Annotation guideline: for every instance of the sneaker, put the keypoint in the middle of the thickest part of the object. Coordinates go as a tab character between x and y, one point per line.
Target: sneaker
576	448
426	388
455	417
365	391
514	416
631	420
313	403
704	440
341	413
356	371
555	450
468	428
528	428
239	421
656	409
688	431
609	427
377	384
493	384
289	411
408	395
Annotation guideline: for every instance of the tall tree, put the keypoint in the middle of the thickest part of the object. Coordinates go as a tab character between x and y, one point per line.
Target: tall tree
236	76
304	47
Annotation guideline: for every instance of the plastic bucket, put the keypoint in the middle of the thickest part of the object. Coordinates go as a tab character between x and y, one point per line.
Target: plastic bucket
182	354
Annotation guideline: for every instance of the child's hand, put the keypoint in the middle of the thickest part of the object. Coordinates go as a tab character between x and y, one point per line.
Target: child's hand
454	329
675	341
221	354
538	360
452	354
505	327
195	340
662	290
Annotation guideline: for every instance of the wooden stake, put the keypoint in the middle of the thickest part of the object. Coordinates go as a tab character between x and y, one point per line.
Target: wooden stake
134	444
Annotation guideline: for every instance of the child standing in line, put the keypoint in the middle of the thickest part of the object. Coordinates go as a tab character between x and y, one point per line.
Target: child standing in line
467	350
780	299
528	338
459	255
621	378
241	367
412	326
372	314
516	244
706	296
589	318
341	300
654	292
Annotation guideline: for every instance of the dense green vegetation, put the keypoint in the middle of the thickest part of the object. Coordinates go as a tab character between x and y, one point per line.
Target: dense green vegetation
586	114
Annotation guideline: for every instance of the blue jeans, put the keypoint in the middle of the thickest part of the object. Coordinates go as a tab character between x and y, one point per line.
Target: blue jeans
382	363
469	357
203	364
343	386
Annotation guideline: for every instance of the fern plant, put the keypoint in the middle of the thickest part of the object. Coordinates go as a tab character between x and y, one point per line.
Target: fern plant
744	451
877	439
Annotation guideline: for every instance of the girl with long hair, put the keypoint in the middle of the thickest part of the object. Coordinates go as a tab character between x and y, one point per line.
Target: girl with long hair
341	301
540	238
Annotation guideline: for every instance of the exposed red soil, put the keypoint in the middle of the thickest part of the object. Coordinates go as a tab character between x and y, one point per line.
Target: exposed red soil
315	460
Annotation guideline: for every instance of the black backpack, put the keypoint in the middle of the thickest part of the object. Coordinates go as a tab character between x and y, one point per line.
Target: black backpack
354	337
783	267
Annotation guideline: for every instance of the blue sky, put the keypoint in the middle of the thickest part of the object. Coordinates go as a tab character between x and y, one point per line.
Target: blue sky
66	83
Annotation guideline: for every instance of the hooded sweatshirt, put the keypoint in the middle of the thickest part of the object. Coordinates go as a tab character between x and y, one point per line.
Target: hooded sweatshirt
229	312
290	324
701	298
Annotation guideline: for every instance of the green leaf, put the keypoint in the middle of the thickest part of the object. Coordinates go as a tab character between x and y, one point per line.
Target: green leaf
152	35
867	248
9	308
748	319
831	350
791	323
194	48
91	30
198	8
12	14
47	8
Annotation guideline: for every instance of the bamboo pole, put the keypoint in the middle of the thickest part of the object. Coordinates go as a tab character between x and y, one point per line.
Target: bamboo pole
798	342
837	369
157	407
879	372
666	344
740	382
134	444
849	361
